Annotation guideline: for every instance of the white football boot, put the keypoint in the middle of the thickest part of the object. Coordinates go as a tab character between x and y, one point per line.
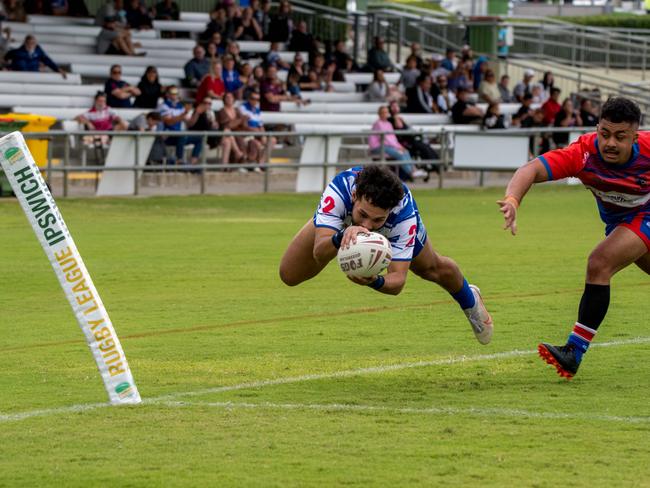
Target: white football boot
479	318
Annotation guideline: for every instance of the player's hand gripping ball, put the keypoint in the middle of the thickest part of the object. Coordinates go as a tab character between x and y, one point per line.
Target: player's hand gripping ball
368	257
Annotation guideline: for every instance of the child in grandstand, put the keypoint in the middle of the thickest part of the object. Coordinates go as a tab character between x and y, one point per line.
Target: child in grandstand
372	198
614	164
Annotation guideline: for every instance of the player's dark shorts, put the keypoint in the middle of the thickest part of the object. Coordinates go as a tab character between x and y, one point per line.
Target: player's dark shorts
638	223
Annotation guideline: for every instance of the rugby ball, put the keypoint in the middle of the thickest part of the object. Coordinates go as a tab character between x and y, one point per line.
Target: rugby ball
368	257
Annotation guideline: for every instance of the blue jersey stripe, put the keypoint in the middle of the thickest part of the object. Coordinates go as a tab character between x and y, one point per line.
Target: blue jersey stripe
547	166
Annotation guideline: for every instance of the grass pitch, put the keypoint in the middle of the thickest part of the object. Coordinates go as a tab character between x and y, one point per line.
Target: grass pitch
247	382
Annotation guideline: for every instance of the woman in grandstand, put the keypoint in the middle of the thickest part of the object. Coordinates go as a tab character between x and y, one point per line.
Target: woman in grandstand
150	89
488	91
212	84
230	118
389	147
566	117
248	29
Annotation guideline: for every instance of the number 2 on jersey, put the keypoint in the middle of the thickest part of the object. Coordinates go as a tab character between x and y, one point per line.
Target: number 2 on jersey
328	204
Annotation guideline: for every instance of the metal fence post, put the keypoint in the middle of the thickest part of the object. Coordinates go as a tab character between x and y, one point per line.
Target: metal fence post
136	180
643	61
327	159
268	163
66	162
204	139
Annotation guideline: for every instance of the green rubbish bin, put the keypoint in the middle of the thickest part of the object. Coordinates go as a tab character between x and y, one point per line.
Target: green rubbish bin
7	125
483	35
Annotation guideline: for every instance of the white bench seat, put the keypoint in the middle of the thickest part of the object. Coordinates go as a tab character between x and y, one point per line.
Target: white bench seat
46	100
347	119
47	89
102	70
39	77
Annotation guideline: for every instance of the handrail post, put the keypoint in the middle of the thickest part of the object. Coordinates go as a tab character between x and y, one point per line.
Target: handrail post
204	151
66	162
136	180
327	159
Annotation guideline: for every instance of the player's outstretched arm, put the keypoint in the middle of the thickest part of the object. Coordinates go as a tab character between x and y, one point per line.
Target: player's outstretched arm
391	283
327	241
522	180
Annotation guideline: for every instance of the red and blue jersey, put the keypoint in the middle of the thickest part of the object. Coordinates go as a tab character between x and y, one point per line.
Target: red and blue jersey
403	227
622	191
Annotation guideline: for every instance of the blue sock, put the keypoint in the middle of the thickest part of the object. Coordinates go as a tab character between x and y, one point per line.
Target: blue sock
464	296
581	337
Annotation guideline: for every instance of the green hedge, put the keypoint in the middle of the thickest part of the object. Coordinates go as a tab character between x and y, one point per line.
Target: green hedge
616	20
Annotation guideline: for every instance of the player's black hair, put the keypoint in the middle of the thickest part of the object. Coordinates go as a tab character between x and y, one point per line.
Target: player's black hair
620	109
379	186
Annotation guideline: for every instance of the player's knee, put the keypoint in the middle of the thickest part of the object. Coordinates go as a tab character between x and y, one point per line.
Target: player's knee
598	267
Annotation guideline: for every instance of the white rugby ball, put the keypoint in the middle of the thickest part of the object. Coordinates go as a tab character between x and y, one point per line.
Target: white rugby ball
368	257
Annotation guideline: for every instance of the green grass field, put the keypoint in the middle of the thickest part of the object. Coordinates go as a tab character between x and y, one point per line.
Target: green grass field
247	382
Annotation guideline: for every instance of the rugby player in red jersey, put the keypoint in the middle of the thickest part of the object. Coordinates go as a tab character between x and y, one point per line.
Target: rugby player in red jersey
614	163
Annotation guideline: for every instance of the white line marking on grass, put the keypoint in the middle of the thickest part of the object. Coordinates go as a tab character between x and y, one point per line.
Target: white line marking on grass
475	411
13	417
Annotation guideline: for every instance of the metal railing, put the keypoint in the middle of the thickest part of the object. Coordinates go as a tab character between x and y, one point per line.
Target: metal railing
445	136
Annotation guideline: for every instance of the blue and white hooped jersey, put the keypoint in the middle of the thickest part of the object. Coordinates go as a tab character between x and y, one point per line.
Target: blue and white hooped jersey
403	227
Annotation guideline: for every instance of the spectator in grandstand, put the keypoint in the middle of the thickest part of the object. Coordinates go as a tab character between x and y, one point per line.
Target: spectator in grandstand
343	60
414	144
231	79
538	93
552	106
435	66
232	49
260	145
566	117
137	15
540	143
302	40
248	28
273	57
196	68
101	116
150	89
504	90
460	77
416	51
588	113
281	25
113	40
378	90
245	73
214	45
524	112
174	114
151	122
493	118
450	62
203	119
5	44
548	82
410	73
212	84
119	91
488	90
262	13
217	24
419	99
231	119
463	112
478	71
232	20
446	98
502	43
15	11
299	68
524	86
167	10
388	146
29	57
274	92
378	58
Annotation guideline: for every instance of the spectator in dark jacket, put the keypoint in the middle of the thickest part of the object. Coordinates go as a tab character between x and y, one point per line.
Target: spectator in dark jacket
418	98
137	15
378	58
281	25
118	91
167	10
302	41
29	57
150	89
